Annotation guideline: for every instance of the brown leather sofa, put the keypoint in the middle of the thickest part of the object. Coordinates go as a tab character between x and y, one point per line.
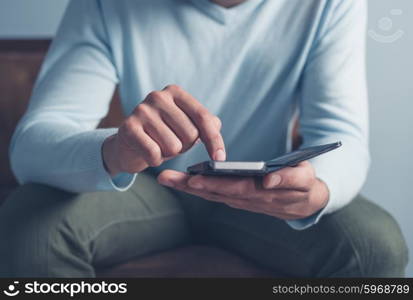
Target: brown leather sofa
19	63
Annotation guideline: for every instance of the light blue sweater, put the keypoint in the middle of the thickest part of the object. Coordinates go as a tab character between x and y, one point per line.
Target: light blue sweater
252	65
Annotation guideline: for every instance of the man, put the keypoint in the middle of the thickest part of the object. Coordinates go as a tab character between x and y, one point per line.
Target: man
198	78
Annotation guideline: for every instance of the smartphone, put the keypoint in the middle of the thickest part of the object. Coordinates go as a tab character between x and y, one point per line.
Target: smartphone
259	168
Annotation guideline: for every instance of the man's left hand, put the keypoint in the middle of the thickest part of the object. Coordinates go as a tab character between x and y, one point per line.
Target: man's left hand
290	193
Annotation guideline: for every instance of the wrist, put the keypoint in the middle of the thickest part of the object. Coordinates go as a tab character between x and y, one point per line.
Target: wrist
109	156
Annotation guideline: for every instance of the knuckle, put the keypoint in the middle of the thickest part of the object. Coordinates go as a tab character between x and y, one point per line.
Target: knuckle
217	122
128	128
190	136
154	95
193	134
158	98
128	125
154	162
154	157
161	99
173	149
173	88
143	111
203	116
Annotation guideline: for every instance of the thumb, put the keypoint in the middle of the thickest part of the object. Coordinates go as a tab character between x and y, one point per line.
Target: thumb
172	178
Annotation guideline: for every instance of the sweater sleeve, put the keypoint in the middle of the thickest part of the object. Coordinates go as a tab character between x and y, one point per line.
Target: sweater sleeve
333	104
56	142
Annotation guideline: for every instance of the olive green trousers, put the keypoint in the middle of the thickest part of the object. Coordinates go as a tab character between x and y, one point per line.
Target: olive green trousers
46	232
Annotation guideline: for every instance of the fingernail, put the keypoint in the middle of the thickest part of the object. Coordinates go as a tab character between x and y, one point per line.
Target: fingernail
220	155
274	180
195	184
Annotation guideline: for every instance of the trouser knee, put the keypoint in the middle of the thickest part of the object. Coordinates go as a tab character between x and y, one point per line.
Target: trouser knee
371	238
28	222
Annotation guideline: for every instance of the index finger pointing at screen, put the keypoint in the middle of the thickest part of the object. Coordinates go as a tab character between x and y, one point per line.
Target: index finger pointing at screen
207	124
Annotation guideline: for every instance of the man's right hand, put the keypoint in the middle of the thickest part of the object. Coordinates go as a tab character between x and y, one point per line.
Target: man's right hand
166	124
